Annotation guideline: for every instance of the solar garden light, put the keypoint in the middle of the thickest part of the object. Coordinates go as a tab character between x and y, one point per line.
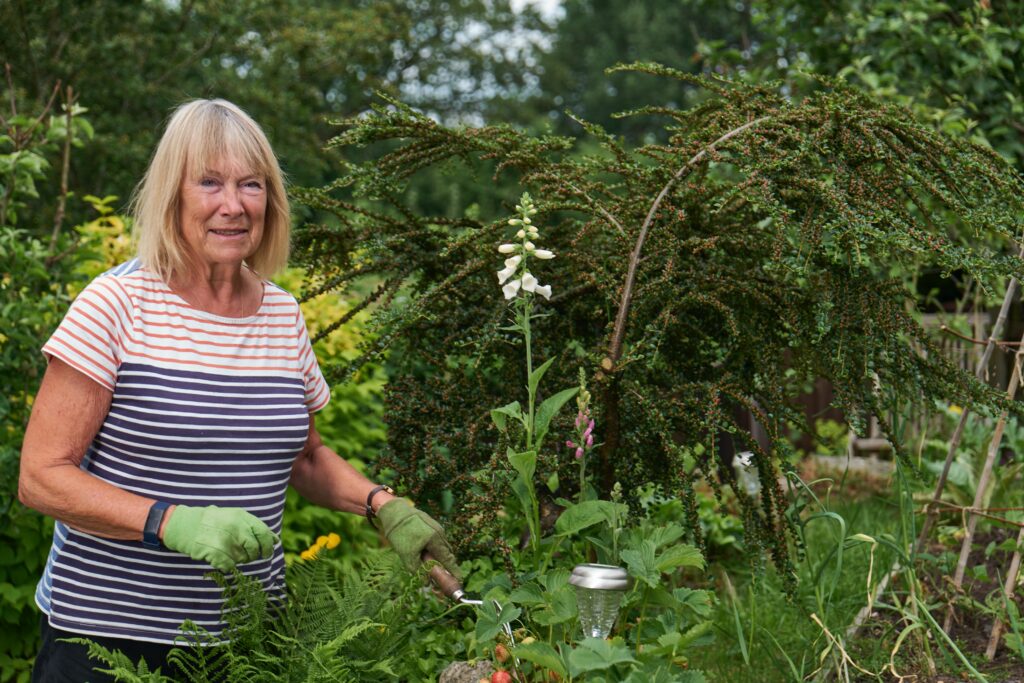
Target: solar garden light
599	591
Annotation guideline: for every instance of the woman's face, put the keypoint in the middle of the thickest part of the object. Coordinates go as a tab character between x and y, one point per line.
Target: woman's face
222	213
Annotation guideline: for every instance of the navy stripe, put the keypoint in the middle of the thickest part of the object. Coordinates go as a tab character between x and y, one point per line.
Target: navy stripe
161	458
209	377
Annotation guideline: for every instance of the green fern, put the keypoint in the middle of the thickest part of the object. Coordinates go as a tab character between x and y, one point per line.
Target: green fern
335	625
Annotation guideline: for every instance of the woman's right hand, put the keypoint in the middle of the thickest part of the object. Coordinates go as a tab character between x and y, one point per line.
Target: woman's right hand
221	537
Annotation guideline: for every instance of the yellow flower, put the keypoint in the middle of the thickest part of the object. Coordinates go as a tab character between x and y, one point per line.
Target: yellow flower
309	555
321	541
956	410
333	540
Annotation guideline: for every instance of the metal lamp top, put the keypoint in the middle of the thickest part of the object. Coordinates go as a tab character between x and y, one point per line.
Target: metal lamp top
600	577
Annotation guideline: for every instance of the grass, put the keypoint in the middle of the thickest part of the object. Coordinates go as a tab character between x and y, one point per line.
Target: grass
765	635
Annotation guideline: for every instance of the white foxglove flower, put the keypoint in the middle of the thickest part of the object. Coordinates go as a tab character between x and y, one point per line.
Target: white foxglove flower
506	248
529	246
505	273
511	289
527	221
513	261
544	291
520	235
529	282
544	254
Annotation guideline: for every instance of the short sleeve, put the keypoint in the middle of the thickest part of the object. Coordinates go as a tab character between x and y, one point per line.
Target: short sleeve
317	392
92	335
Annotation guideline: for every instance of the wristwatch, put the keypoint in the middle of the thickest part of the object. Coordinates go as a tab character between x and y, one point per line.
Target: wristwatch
370	514
151	532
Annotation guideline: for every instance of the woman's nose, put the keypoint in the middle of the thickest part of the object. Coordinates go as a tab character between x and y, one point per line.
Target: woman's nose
231	204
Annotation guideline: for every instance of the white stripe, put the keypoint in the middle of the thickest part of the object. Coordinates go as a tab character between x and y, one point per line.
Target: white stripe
263	402
193	427
121	410
191	439
178	471
157	587
164	575
234	485
282	383
205	462
255	451
185	613
116	613
278	498
145	596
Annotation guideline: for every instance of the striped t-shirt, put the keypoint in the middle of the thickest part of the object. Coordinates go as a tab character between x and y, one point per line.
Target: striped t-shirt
206	410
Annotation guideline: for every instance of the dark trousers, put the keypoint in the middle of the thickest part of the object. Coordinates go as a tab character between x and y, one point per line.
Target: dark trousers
59	662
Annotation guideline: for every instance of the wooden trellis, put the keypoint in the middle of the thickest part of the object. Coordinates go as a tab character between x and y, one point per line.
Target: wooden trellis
975	511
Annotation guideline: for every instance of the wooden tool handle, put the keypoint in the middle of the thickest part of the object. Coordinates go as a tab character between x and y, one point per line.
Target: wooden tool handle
443	579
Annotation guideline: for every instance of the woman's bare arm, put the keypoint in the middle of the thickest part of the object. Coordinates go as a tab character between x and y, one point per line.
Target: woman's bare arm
326	479
68	412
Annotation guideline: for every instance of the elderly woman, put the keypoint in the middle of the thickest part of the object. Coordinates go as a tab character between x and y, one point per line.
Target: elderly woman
178	406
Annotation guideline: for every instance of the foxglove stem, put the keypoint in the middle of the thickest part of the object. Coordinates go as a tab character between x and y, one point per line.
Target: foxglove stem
525	311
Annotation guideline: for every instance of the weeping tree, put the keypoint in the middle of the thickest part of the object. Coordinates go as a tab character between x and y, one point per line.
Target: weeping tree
765	244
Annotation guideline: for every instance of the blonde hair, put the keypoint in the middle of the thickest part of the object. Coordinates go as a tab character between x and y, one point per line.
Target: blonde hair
200	133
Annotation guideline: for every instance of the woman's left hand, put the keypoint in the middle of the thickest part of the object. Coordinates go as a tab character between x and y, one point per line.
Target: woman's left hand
410	531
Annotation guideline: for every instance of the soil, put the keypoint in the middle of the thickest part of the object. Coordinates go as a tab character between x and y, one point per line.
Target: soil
973	616
972	621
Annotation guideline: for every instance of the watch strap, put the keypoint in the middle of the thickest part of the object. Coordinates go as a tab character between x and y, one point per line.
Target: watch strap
151	532
370	514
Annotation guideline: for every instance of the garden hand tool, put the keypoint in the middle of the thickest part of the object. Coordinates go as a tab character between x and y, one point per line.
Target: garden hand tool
446	582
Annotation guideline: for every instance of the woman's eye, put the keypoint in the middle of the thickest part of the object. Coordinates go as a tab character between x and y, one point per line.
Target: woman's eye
207	182
254	184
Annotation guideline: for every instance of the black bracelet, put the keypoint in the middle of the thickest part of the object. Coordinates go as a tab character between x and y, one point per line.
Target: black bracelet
370	514
151	532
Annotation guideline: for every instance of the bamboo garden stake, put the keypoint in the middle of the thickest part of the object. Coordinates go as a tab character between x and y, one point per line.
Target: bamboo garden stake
986	474
954	442
1008	591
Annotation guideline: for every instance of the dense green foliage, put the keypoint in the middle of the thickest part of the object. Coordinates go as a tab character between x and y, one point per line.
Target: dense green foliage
355	615
33	298
765	261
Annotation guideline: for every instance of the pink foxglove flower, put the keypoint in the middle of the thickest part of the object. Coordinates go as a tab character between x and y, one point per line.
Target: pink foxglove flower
579	453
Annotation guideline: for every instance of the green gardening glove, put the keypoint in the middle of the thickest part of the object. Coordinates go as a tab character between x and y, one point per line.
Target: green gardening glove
410	531
221	537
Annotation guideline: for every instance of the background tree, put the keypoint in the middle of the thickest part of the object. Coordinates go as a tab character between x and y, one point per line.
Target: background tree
288	63
726	266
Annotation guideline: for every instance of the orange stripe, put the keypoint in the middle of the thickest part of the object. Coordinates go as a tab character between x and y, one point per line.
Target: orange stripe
195	330
88	373
244	368
248	323
151	335
102	353
91	331
199	351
